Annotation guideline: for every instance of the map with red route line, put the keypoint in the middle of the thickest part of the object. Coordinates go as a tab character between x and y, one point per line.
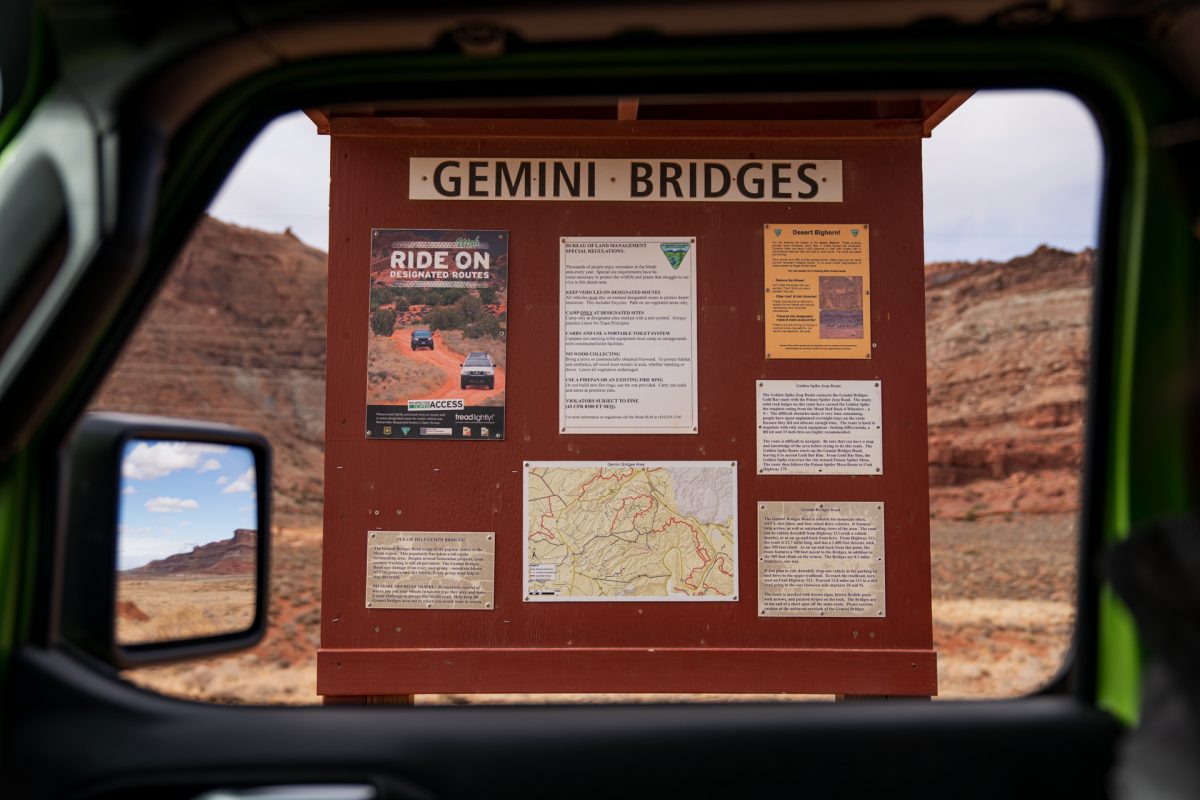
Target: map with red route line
633	531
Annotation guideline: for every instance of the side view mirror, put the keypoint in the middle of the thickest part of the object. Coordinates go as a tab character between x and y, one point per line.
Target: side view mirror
166	539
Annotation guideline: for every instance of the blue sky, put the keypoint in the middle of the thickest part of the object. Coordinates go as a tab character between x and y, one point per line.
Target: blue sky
177	495
1006	172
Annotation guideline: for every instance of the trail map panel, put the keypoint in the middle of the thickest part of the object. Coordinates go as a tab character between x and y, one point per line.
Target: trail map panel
438	321
630	531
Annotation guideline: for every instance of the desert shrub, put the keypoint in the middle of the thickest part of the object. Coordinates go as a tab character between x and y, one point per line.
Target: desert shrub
470	307
379	296
434	297
382	295
445	318
487	295
383	321
486	327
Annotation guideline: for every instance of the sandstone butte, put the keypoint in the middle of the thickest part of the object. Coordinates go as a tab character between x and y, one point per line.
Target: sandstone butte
233	556
237	335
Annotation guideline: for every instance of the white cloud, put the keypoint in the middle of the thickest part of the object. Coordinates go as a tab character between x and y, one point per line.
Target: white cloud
1008	171
171	505
282	181
184	524
129	490
209	466
149	461
244	509
221	481
243	483
139	546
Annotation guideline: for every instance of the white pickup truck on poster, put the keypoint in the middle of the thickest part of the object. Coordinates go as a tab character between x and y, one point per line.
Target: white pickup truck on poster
627	353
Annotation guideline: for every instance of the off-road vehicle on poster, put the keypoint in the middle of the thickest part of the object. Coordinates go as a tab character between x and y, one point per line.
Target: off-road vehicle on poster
478	370
422	338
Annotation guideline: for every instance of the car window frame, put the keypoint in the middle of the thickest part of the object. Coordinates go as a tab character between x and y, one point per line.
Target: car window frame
207	144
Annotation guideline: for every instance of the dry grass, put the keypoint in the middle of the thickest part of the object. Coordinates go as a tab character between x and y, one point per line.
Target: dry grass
392	378
282	669
456	341
1000	627
183	606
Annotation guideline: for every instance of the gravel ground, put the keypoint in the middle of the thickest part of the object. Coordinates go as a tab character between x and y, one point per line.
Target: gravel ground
1003	613
1004	602
1026	557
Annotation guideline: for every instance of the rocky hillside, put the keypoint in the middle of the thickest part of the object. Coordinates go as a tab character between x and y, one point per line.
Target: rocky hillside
236	556
1007	351
237	335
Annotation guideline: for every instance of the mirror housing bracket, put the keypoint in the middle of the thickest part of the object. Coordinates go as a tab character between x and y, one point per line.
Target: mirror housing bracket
86	570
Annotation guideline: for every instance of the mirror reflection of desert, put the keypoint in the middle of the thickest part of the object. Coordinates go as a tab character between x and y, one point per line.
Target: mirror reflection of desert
205	592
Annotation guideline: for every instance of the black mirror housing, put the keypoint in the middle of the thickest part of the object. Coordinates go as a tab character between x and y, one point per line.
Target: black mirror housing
90	466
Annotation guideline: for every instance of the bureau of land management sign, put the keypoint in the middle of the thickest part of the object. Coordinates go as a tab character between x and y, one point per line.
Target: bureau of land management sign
627	327
438	318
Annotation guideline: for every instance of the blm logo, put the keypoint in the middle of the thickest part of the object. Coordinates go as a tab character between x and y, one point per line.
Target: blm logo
675	251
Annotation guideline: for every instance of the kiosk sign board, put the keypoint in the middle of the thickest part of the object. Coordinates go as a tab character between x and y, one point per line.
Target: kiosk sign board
708	473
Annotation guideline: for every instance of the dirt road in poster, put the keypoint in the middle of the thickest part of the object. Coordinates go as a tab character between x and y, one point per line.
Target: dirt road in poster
449	362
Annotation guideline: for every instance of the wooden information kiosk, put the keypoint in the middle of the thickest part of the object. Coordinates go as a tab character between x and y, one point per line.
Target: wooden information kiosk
627	397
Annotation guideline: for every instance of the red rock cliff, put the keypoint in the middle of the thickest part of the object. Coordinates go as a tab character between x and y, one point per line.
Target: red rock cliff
1007	348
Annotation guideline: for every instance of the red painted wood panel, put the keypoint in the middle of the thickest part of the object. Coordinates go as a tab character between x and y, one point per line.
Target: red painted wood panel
476	486
732	670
